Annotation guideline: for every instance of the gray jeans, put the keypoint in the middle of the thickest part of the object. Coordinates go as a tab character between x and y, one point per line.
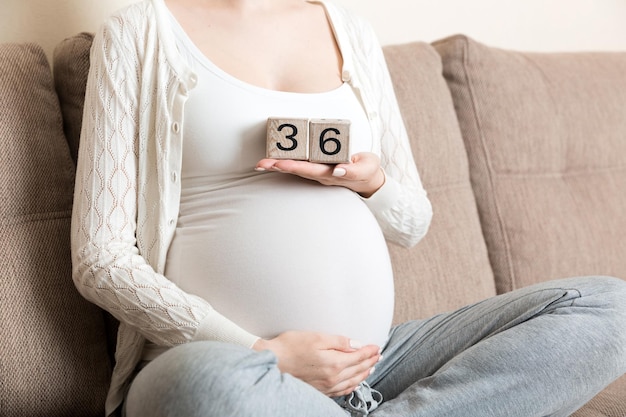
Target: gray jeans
540	351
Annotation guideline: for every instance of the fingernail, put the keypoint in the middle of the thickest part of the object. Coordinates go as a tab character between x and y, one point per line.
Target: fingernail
380	358
339	172
277	169
372	370
355	344
260	169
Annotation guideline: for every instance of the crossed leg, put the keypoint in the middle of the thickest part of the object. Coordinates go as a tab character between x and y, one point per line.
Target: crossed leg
540	351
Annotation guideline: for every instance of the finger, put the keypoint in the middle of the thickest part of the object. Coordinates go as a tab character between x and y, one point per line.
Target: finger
364	364
363	166
305	169
345	366
345	344
287	165
348	385
338	343
265	164
367	352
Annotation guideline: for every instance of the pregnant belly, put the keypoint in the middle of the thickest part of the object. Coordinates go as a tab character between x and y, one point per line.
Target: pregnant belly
278	254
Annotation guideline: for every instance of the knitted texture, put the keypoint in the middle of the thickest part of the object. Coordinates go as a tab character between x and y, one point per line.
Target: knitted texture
53	358
71	66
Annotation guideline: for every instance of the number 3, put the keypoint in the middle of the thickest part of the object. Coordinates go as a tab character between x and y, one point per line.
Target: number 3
291	137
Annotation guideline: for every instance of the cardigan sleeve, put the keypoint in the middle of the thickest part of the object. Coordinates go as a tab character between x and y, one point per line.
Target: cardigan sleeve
401	206
108	268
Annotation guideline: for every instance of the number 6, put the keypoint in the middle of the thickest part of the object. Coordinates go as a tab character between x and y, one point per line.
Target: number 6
330	141
324	141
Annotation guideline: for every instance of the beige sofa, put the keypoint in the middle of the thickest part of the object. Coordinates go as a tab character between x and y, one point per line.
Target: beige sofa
523	156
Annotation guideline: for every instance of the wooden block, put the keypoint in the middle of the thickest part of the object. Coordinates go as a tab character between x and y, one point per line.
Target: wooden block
329	141
287	138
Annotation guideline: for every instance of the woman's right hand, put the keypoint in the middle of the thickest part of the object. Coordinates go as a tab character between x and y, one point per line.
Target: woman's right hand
334	365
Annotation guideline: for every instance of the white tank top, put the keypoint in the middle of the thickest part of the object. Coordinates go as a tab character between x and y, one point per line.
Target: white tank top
270	251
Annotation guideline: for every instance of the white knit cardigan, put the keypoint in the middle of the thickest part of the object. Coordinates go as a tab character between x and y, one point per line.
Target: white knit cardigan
128	178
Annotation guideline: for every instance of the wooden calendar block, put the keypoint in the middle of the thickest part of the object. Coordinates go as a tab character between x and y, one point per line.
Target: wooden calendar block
329	141
287	138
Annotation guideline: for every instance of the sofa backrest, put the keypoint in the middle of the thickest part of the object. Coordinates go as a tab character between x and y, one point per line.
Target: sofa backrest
52	358
450	267
546	138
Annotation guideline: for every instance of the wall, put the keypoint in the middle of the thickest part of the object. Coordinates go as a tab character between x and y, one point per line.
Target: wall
518	24
539	25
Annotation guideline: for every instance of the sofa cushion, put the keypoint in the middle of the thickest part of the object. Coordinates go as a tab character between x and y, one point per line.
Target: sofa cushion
607	403
450	267
71	66
545	134
53	361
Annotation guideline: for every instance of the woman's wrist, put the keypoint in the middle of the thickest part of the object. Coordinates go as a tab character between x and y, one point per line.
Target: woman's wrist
375	184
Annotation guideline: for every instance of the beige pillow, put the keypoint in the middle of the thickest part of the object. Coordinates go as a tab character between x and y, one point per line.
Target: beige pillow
71	67
450	267
53	358
546	139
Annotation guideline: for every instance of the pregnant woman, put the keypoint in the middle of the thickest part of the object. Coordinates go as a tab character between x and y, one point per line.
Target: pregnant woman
248	286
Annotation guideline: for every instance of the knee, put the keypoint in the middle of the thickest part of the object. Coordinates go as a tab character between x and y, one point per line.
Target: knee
614	297
200	378
607	300
601	314
599	304
613	292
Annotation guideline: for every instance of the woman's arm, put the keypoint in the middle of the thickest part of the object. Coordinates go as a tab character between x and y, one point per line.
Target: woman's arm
108	268
401	205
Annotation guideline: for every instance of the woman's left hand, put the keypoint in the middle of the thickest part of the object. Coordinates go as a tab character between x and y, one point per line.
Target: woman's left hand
364	175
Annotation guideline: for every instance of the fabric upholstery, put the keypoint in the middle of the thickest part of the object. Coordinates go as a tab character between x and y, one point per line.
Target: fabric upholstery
450	267
545	134
52	359
609	403
71	66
